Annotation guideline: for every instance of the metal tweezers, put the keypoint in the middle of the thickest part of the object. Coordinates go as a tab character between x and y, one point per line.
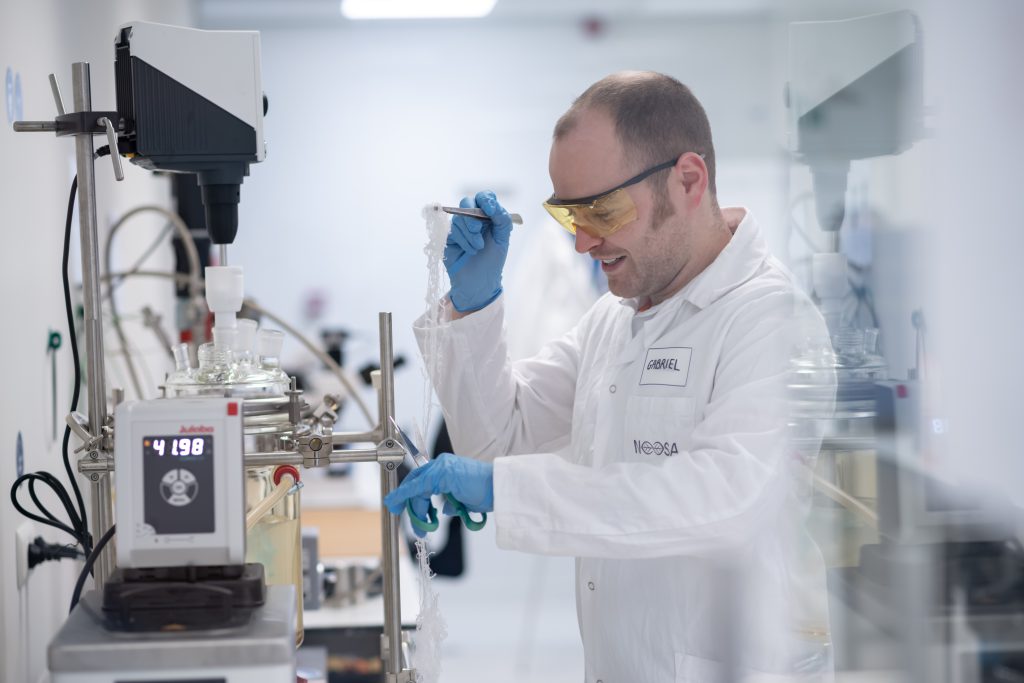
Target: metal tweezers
478	213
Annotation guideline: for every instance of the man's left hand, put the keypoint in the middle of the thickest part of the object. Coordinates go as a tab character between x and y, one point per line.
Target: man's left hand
469	481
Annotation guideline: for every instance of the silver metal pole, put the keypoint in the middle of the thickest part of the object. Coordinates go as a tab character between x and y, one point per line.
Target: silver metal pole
222	253
389	522
34	126
102	511
340	438
89	467
271	458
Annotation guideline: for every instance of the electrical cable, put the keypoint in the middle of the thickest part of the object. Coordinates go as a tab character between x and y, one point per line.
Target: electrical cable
89	562
78	528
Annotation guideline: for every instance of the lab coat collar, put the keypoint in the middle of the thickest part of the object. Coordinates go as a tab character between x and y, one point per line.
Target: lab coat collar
738	262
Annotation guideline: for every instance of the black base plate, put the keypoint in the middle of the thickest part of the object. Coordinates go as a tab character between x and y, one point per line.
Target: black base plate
175	599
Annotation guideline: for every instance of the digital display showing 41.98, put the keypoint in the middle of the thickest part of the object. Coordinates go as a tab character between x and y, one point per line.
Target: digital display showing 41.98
177	446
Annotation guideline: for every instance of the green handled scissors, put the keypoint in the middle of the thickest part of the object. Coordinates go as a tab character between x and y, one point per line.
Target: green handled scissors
431	523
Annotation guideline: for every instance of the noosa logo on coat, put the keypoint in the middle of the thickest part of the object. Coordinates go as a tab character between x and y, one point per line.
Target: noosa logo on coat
655	447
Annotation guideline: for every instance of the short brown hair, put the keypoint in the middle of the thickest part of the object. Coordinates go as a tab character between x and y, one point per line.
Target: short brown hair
655	117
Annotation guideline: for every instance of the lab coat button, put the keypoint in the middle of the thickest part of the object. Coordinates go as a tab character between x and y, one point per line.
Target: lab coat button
590	585
612	388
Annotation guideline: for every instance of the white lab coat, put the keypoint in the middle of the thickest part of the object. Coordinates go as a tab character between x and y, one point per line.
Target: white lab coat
691	560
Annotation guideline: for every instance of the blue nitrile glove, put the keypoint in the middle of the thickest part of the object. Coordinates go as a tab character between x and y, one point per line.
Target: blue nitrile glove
475	253
470	481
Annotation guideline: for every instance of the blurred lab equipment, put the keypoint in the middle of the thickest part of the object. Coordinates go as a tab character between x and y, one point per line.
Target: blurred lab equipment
926	573
209	555
854	92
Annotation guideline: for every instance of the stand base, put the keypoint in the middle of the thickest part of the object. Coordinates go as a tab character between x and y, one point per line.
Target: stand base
261	651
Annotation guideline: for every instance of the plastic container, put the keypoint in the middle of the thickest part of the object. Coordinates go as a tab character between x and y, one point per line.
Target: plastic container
275	541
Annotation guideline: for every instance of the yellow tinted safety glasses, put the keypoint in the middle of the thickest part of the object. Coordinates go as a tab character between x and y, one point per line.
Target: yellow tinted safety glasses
602	214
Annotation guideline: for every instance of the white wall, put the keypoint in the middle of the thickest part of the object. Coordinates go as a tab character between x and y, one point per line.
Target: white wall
975	316
38	38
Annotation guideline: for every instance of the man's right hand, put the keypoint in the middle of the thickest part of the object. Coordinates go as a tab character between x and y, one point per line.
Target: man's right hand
475	252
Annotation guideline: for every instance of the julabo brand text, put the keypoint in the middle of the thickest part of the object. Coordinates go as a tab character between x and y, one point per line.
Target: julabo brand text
664	364
196	429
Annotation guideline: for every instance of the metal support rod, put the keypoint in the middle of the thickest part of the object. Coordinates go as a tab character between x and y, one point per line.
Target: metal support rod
389	523
102	518
102	511
222	254
386	397
89	466
272	458
35	126
339	438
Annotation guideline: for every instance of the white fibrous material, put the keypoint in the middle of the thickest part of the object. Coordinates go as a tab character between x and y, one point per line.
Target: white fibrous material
438	226
431	629
430	625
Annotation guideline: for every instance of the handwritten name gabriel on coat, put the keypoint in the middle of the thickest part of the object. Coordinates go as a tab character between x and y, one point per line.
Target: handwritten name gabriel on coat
664	364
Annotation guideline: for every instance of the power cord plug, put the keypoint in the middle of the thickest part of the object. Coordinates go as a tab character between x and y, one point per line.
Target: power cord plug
40	551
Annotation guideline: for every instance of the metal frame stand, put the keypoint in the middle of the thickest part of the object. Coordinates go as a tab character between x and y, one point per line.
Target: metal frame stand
102	509
97	463
83	124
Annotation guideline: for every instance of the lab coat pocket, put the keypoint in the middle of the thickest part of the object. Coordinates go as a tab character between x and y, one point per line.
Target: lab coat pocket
691	669
658	426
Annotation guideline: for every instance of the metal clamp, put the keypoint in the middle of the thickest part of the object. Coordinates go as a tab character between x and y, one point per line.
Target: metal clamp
406	675
327	412
79	424
316	449
75	123
390	453
115	157
95	465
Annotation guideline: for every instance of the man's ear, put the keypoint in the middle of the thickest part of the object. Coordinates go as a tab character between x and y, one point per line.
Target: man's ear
691	175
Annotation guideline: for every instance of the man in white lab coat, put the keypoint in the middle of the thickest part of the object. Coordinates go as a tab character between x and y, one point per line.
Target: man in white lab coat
669	393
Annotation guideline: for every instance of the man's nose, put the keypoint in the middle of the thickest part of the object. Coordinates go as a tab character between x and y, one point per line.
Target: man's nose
585	242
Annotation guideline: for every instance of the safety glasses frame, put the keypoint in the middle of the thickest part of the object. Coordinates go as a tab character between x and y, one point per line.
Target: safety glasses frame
583	201
568	211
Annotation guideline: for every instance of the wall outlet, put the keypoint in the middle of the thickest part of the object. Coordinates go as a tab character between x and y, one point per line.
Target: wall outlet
23	539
